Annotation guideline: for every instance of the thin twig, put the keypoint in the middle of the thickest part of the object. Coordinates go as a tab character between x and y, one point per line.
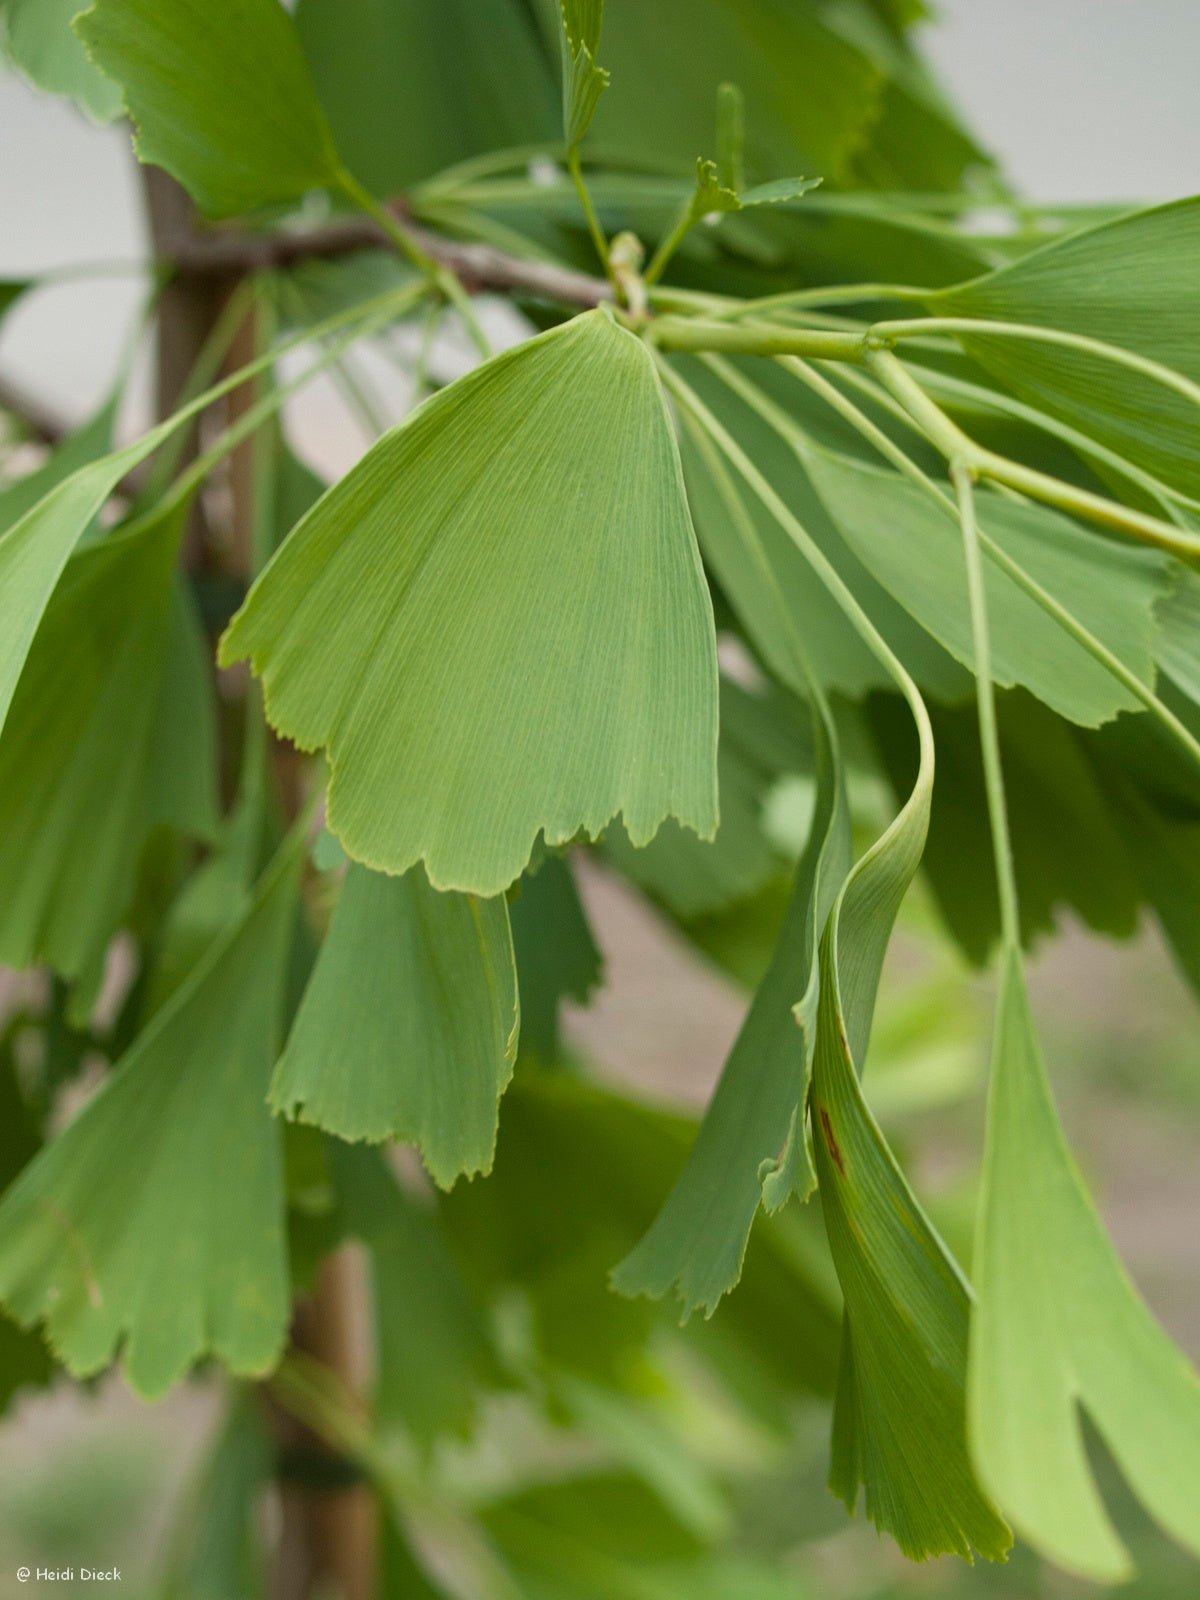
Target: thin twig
478	267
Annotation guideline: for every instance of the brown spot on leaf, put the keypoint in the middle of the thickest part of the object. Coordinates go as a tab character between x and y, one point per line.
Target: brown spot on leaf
831	1141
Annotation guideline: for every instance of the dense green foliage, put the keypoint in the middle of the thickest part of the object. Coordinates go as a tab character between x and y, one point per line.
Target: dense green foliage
929	494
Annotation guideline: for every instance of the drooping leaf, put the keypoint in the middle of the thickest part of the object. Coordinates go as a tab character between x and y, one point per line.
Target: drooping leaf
557	957
408	1027
899	1417
221	97
1060	822
156	1217
44	46
584	80
912	546
413	86
1130	283
105	740
535	652
762	739
1059	1328
754	1127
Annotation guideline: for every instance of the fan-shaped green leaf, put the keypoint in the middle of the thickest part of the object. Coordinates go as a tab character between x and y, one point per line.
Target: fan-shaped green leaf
106	738
408	1027
43	45
557	957
912	546
156	1217
413	86
535	650
1058	1327
1130	283
220	95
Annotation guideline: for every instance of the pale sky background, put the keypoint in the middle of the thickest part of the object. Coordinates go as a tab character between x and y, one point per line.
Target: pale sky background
1081	99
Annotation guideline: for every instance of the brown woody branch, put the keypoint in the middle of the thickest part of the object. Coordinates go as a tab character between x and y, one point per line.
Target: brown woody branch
479	267
219	256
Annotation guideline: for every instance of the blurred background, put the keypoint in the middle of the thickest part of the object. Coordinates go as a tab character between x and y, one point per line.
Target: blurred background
1080	100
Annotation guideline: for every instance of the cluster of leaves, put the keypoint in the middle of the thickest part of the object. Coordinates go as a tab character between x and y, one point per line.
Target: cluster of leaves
500	629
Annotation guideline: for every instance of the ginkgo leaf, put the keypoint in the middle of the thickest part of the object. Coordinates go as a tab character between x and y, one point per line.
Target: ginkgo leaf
535	651
913	547
584	81
1059	1329
221	97
156	1218
95	752
557	957
1129	283
408	1027
412	87
43	45
755	1120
